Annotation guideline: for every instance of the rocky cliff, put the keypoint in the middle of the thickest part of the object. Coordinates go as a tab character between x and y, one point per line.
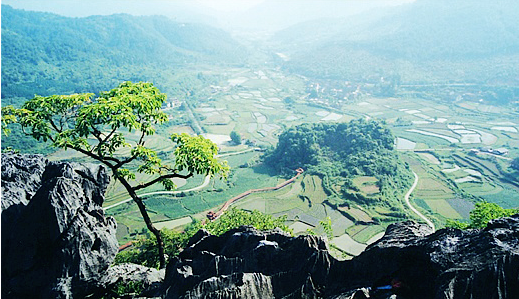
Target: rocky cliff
56	243
246	263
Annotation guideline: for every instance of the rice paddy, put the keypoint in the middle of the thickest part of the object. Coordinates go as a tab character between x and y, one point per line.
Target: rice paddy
436	139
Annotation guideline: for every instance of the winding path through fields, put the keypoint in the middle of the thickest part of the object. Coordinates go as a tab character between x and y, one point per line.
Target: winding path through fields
203	185
406	197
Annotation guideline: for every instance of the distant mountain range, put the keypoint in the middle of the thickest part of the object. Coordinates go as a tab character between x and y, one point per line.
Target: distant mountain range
423	42
39	49
428	40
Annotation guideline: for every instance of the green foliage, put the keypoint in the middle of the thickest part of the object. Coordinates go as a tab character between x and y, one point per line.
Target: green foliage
327	227
197	155
311	232
8	117
340	151
235	137
145	250
482	214
128	288
146	253
456	224
234	218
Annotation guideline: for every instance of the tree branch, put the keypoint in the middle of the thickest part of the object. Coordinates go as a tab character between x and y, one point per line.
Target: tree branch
141	142
110	135
104	160
160	178
54	126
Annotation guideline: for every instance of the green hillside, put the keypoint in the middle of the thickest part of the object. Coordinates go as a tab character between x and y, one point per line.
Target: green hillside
424	42
44	53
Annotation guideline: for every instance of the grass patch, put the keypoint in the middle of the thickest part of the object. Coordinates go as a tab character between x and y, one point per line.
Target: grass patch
366	184
462	206
443	208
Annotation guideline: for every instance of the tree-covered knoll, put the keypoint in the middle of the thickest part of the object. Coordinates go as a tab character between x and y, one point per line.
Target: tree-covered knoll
341	151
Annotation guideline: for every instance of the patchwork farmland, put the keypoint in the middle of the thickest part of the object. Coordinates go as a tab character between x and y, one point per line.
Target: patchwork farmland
443	144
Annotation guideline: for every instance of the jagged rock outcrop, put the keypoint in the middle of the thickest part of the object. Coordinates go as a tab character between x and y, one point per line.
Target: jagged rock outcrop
246	263
447	264
56	241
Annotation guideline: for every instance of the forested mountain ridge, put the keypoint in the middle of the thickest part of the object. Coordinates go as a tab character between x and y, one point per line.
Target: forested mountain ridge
426	41
39	49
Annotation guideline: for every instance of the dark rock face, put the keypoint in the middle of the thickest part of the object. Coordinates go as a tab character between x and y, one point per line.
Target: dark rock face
246	263
56	242
447	264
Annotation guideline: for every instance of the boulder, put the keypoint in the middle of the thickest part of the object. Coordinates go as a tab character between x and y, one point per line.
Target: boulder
57	243
247	263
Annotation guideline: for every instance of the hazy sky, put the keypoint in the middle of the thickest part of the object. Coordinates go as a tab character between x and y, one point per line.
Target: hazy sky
230	14
230	5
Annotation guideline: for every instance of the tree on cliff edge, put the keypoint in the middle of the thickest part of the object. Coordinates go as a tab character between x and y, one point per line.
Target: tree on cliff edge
95	128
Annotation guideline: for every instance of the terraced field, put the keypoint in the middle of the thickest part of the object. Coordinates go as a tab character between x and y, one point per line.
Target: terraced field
258	104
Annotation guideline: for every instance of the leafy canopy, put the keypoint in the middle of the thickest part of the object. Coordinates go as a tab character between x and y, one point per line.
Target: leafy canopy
234	218
95	127
482	214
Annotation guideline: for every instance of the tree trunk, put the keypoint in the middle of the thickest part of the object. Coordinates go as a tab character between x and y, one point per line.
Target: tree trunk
153	229
147	220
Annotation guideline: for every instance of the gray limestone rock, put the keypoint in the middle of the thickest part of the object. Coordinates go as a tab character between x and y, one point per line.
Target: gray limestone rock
450	263
58	244
247	263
